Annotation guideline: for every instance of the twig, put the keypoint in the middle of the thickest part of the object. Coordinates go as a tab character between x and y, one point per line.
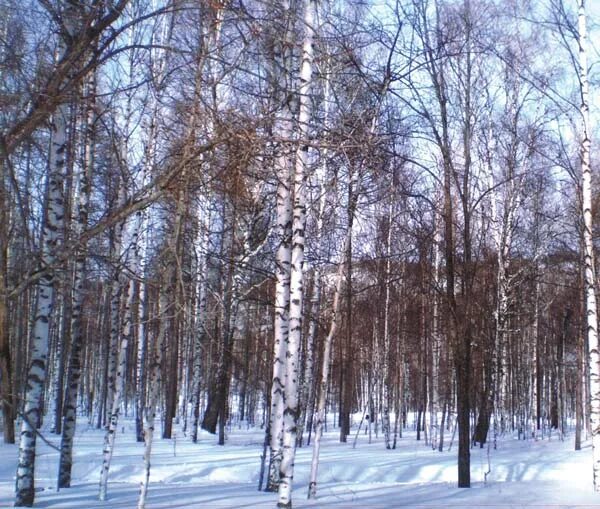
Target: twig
38	433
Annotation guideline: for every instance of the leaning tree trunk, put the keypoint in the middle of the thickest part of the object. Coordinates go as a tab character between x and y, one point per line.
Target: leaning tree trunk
121	369
323	383
322	391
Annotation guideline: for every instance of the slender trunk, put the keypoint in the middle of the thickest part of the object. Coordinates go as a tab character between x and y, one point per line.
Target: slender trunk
142	353
307	391
77	332
109	438
323	384
535	361
122	359
581	356
436	336
346	350
320	413
62	346
590	295
113	341
155	385
385	368
200	332
6	371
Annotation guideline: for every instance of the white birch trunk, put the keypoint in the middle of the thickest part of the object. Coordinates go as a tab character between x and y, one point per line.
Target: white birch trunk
306	397
436	332
142	350
109	438
322	400
290	416
115	311
321	177
281	330
126	336
200	333
142	331
590	295
385	396
283	231
141	376
154	384
36	376
77	333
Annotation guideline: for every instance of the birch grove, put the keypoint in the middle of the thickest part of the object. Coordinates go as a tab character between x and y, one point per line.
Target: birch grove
302	219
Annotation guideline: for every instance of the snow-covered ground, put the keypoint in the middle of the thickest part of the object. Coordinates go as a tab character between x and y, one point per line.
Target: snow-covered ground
531	473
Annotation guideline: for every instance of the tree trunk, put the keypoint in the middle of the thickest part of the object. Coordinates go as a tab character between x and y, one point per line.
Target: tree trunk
283	235
320	413
290	414
132	262
36	376
590	295
154	385
109	438
6	377
77	332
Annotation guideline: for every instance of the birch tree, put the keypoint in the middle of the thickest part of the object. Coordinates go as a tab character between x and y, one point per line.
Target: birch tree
50	238
290	415
283	234
155	378
125	337
327	348
588	246
79	274
6	367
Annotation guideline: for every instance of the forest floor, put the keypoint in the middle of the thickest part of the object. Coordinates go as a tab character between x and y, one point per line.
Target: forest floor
532	473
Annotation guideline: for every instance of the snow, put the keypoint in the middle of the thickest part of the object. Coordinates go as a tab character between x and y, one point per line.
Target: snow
533	473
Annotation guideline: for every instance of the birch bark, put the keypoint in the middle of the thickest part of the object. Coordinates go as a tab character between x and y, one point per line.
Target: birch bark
290	415
385	365
155	385
436	335
308	391
77	332
200	332
590	295
322	398
121	368
36	376
283	233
